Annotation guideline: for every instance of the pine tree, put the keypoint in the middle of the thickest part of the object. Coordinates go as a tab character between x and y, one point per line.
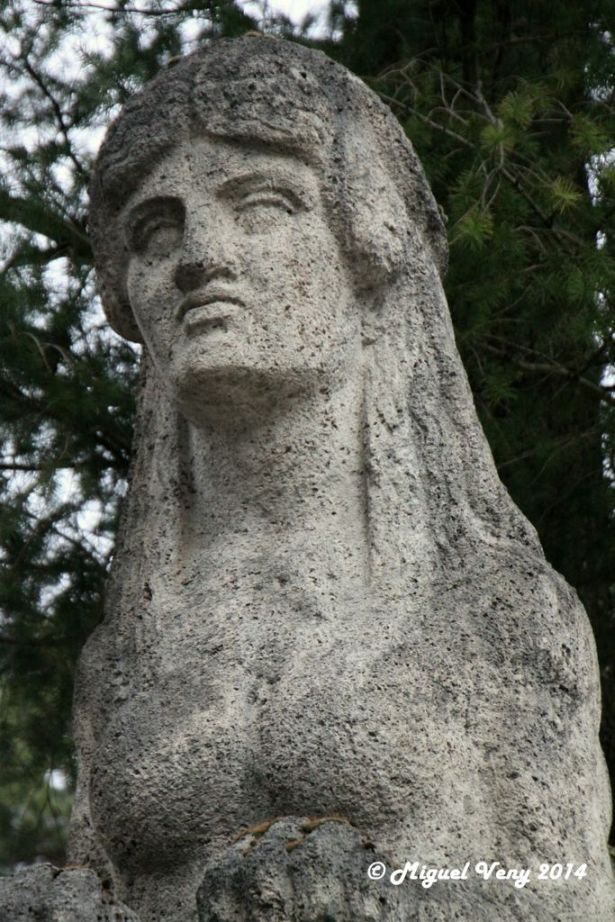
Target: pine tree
511	107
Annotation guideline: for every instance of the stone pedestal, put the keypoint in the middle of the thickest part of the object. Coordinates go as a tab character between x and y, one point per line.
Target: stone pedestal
43	893
300	870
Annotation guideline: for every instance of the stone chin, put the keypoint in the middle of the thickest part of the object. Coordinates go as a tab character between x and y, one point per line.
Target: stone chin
213	390
210	380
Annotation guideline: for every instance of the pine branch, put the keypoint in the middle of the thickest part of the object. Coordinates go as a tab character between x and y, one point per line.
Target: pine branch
33	215
58	114
119	449
28	255
110	9
549	365
34	642
427	121
33	468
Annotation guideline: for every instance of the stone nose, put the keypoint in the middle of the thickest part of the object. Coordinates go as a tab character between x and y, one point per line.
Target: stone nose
207	253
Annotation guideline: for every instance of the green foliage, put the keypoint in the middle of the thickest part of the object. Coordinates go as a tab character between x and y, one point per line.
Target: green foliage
511	109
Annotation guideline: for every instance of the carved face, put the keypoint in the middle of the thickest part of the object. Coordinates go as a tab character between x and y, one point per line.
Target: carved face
235	276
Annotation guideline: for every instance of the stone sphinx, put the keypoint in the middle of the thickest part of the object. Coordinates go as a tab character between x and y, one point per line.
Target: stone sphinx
323	603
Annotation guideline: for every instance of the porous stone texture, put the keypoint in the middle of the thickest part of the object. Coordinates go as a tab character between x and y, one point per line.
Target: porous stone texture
315	869
323	600
299	870
43	893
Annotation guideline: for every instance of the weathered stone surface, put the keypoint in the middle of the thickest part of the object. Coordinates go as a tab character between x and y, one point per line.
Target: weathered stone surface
317	870
323	600
299	870
46	894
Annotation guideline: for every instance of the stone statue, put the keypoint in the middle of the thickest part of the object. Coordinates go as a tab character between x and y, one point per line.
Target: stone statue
327	622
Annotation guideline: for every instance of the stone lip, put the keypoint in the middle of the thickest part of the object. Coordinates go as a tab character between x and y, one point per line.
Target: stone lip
48	894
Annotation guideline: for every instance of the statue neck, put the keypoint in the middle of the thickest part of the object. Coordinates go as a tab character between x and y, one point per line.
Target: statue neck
288	486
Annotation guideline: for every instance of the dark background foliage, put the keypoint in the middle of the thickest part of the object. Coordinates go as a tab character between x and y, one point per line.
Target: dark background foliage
511	108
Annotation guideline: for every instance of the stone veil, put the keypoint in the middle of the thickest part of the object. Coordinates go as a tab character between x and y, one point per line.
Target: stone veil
323	603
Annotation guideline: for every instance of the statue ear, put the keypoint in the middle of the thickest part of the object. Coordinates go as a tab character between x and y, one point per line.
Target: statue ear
376	217
117	308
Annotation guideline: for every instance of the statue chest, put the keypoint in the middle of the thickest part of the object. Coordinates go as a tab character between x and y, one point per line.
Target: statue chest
247	719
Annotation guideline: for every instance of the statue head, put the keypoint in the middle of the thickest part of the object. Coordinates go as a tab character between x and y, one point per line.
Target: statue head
297	112
235	278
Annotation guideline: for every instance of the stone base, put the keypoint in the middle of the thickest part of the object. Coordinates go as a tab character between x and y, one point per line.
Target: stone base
300	870
44	893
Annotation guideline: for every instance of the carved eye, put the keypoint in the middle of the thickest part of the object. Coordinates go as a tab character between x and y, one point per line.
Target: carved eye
156	228
263	209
